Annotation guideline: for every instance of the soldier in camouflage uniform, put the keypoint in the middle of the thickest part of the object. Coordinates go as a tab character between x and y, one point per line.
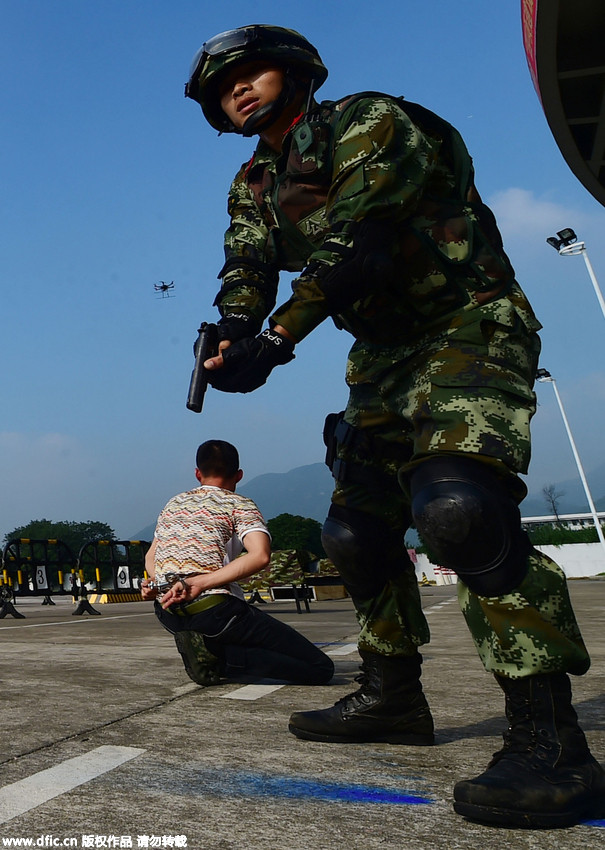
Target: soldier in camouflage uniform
372	200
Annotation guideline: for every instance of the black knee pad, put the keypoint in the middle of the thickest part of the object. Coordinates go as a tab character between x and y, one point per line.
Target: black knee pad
365	550
470	524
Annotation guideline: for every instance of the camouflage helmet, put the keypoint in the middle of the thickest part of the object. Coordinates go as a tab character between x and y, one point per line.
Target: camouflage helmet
284	47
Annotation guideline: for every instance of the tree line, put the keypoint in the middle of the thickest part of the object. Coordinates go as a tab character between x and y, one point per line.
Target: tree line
73	534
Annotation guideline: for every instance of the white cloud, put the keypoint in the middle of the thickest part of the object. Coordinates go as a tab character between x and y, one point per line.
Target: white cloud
523	216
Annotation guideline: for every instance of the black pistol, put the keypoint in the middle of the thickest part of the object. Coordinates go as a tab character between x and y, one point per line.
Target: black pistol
206	346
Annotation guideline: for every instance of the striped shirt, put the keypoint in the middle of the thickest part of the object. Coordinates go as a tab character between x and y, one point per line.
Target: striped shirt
201	530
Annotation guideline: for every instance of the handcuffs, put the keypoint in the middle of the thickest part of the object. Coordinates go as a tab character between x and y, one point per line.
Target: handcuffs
170	579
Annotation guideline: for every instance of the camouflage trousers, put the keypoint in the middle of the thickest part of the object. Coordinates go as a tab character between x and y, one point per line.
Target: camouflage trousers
468	391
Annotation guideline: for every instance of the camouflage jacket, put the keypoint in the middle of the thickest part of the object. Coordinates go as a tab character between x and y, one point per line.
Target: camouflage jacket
376	159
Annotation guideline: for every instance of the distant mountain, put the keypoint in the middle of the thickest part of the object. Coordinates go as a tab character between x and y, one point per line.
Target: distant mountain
306	490
145	534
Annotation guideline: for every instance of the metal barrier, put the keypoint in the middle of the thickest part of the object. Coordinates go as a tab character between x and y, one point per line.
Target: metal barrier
37	567
46	567
116	566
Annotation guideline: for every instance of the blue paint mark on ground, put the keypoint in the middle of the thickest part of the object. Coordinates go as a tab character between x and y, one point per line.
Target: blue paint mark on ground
263	785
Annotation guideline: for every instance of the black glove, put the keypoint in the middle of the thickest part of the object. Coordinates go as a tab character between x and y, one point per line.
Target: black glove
237	325
248	363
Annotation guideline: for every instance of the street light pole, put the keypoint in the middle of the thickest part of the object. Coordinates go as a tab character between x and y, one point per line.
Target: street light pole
568	246
543	376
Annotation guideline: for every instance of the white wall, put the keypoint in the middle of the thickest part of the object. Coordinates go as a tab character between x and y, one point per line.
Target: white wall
577	560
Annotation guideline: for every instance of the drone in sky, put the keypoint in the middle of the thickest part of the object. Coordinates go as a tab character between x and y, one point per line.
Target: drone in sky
164	288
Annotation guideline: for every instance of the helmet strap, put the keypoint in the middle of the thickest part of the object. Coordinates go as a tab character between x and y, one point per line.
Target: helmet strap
268	114
310	97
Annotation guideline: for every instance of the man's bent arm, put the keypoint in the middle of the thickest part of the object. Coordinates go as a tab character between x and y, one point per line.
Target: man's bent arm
257	557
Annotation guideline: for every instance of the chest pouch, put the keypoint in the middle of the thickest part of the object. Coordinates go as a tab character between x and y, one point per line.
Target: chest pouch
310	153
301	188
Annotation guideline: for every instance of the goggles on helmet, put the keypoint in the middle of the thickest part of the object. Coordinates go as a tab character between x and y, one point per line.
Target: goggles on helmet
236	39
223	43
241	37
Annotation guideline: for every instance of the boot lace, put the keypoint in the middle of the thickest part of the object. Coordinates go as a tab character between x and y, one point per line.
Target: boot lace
520	736
363	696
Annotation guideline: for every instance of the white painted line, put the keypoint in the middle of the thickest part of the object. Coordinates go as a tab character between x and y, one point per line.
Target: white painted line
251	692
27	794
347	649
81	619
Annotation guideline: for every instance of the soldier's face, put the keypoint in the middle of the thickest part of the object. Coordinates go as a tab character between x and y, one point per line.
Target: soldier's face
248	87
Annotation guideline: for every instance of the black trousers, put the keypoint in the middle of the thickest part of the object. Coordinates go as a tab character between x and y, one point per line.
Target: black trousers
252	645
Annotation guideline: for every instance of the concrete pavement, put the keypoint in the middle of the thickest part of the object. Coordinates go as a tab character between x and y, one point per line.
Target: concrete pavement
105	742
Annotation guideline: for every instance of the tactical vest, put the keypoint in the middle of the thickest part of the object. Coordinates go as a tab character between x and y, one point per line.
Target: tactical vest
293	200
449	247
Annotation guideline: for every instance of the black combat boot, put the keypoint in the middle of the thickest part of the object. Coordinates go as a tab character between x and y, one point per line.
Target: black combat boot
544	777
389	707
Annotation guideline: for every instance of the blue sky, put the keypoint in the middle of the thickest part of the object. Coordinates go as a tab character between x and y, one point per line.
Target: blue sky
112	181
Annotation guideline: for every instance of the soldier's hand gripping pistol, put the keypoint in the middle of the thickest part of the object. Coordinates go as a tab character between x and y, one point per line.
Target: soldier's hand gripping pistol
206	346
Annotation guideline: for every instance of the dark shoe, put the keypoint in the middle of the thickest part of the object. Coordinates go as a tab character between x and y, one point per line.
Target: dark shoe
544	777
201	666
389	707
